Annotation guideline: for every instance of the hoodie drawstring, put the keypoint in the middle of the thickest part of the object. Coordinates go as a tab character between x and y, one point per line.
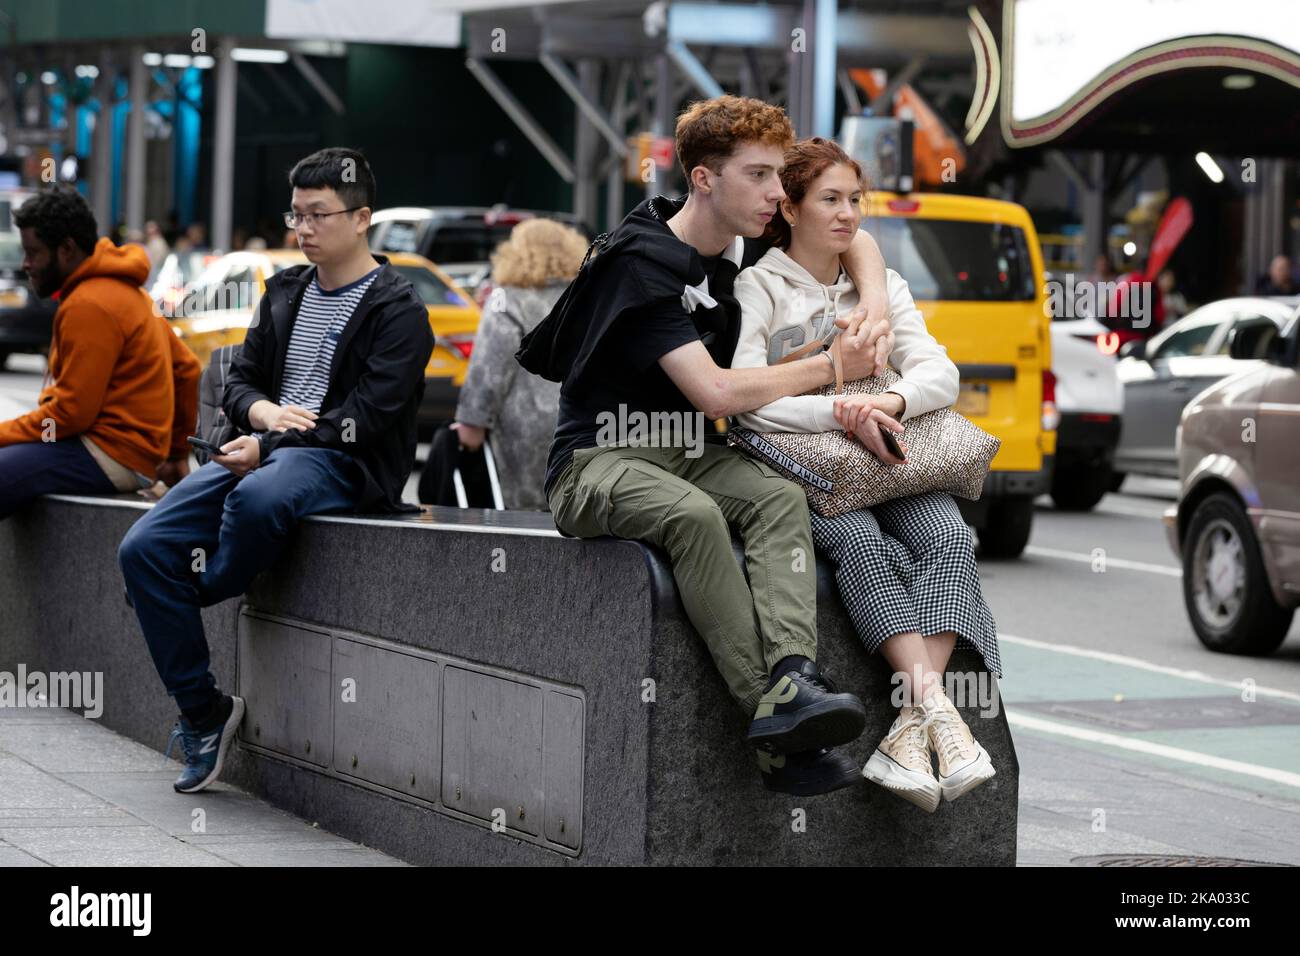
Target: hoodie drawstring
830	313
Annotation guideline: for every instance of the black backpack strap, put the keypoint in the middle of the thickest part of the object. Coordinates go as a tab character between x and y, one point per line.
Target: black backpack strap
536	349
600	241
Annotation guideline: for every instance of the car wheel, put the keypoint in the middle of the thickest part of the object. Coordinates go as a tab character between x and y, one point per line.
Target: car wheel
1006	529
1117	480
1079	488
1225	587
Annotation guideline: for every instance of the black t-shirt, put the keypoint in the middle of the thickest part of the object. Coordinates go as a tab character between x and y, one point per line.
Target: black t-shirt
629	358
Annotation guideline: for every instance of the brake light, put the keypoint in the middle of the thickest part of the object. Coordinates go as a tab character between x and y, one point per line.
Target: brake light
1051	417
1096	417
1108	343
903	205
495	218
461	344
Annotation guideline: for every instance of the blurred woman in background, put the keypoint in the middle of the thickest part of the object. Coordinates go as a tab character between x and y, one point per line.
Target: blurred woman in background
529	271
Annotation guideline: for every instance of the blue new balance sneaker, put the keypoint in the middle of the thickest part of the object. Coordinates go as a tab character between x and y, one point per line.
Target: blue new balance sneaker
205	749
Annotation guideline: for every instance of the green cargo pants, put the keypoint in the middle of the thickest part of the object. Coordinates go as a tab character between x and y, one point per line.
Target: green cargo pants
685	506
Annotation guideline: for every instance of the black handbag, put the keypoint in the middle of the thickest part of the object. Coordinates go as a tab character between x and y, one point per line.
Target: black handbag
457	477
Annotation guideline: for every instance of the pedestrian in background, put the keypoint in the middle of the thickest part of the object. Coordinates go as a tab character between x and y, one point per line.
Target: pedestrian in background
122	391
1102	270
529	271
1279	279
155	245
1175	303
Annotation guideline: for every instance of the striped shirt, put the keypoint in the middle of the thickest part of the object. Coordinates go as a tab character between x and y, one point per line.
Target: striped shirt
322	317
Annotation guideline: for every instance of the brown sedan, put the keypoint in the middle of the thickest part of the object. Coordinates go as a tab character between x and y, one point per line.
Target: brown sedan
1237	522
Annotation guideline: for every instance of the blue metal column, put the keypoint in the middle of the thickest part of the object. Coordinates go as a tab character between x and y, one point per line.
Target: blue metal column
823	49
186	126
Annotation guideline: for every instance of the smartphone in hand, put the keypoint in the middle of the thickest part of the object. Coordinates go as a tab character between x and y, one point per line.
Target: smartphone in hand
207	446
891	442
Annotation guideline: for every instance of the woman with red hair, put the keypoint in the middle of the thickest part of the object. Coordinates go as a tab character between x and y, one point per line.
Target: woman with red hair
905	568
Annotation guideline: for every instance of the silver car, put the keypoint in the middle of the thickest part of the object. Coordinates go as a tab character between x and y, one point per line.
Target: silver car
1160	376
1237	522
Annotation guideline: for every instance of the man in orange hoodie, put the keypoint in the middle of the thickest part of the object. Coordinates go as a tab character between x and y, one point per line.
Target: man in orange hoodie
121	393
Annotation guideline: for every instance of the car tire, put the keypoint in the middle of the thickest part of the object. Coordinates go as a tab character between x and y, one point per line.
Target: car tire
1006	527
1221	540
1117	480
1080	487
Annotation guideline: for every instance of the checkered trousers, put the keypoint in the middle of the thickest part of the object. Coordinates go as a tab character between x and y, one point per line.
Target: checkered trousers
909	565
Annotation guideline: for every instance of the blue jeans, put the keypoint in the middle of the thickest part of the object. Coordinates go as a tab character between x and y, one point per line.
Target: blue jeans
206	541
36	468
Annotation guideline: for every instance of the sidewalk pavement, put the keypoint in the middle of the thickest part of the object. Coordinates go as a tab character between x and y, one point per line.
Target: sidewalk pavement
1079	803
73	793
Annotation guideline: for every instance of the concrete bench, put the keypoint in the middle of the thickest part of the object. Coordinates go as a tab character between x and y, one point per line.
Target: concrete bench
470	687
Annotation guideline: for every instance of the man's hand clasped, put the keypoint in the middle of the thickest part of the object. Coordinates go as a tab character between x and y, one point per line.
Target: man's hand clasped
868	339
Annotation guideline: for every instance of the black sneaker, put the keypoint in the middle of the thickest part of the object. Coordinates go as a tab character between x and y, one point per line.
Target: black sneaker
809	773
802	711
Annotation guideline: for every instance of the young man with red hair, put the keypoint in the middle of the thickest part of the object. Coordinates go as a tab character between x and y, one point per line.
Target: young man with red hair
646	334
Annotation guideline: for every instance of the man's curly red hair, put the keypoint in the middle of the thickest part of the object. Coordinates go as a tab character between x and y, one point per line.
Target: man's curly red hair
709	131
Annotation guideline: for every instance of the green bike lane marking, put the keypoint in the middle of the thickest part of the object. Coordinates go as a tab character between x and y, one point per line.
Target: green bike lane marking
1261	757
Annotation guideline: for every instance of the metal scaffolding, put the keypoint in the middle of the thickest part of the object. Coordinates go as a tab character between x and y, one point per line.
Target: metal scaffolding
628	68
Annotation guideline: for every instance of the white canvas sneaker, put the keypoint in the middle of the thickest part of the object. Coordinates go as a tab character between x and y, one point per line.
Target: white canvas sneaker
901	764
963	763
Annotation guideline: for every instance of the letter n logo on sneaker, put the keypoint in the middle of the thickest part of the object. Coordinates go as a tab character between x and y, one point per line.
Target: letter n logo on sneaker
210	743
784	692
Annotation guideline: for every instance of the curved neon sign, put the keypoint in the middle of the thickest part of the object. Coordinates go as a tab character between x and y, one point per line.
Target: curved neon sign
1060	64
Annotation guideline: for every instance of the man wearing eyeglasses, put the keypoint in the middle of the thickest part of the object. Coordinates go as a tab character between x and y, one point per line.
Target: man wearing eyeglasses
325	391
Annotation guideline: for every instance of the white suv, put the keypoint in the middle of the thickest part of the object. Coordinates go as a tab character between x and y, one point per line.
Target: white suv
1090	400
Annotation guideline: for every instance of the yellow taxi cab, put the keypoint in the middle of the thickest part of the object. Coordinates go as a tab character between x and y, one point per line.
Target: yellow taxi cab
216	309
975	270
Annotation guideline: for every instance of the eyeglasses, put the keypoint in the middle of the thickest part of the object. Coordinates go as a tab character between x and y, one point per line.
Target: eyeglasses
294	219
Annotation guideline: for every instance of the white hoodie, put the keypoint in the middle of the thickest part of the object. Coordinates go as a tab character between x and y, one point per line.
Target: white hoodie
784	307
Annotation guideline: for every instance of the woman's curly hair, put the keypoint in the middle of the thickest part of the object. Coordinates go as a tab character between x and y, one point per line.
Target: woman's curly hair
538	252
